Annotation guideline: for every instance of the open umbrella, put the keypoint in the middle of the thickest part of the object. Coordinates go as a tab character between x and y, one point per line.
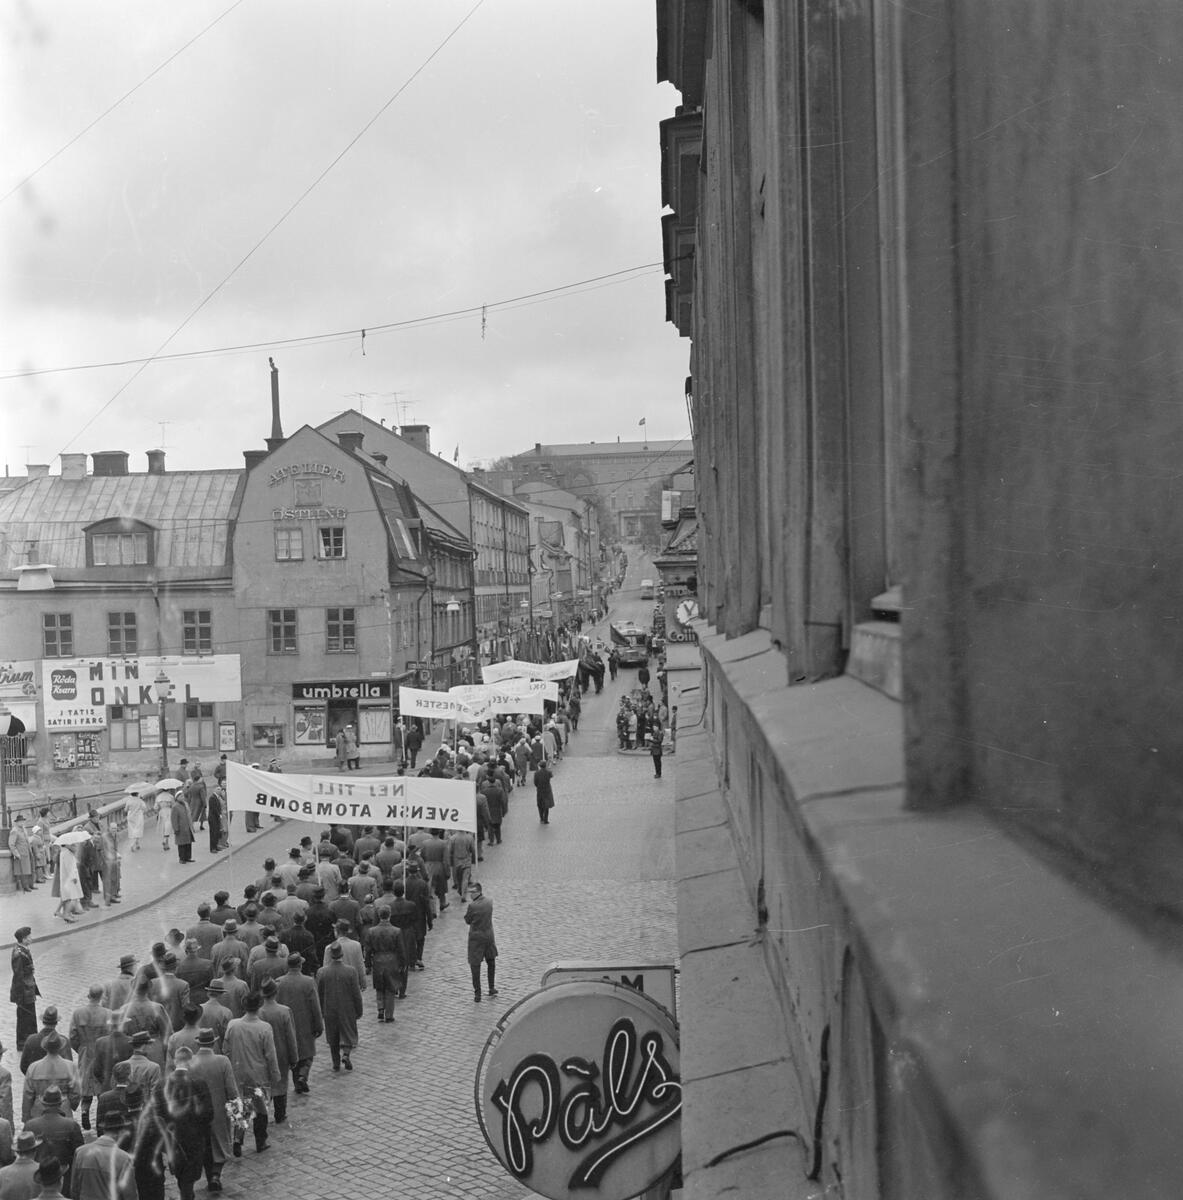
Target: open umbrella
72	837
136	789
168	784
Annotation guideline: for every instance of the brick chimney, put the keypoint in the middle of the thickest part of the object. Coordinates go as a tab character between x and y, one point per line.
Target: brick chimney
109	462
418	435
155	462
73	466
276	439
350	440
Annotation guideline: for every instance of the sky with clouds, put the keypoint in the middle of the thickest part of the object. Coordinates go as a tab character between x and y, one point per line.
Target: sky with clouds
291	171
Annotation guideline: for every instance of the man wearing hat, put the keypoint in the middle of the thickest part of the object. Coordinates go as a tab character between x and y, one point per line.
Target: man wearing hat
234	989
143	1015
18	1180
102	1171
250	1047
300	941
50	1071
184	1107
297	992
340	1002
268	966
170	991
117	993
231	946
215	1071
52	1178
114	1047
283	1029
87	1025
145	1071
114	1100
22	854
35	1043
185	1036
58	1134
215	1013
205	932
195	970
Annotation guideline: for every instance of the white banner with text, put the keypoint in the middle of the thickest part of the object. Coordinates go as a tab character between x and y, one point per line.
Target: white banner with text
356	800
513	668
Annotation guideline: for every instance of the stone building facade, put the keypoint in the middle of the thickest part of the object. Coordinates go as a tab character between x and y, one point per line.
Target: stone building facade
927	831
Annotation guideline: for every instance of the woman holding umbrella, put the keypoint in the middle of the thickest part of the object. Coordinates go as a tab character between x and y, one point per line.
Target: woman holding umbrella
67	883
24	990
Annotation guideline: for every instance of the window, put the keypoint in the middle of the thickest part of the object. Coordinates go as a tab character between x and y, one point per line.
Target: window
332	541
289	545
119	549
124	725
121	633
281	630
57	635
197	631
340	630
271	737
199	725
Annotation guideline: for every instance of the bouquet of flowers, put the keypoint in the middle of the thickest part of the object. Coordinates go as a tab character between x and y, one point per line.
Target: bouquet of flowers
241	1111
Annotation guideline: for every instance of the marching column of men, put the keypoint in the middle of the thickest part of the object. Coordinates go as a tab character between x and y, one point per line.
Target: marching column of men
186	1053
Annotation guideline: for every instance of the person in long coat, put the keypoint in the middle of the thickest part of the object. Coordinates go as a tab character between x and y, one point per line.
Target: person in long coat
87	1025
23	991
22	854
544	793
287	1052
388	963
182	826
297	992
250	1046
67	886
196	793
215	815
340	1001
164	801
215	1071
482	945
133	810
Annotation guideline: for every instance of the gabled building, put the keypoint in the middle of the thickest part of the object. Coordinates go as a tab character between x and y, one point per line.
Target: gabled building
495	525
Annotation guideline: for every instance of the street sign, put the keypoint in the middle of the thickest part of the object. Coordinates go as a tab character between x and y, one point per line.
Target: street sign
656	980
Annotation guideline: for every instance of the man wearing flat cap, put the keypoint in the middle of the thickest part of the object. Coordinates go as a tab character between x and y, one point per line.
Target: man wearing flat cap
297	992
58	1133
215	1071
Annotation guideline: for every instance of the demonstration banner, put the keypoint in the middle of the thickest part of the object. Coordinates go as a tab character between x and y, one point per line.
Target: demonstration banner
514	668
484	700
414	702
360	800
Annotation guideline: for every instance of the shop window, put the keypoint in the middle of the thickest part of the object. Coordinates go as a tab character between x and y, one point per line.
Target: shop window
57	635
340	630
200	733
331	541
281	631
197	631
289	545
122	637
268	737
123	724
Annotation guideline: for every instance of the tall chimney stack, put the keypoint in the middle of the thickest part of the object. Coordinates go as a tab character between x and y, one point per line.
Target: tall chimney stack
276	439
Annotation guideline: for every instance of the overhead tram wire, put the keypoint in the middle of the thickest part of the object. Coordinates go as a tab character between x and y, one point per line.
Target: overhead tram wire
284	216
508	305
16	187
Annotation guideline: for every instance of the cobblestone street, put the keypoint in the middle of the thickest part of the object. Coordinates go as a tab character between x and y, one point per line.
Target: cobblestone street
596	883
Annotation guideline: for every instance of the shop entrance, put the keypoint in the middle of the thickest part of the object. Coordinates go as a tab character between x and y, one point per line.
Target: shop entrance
341	713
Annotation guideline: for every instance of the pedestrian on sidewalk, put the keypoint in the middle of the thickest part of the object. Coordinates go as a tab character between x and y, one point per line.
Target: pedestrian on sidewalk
22	854
197	794
482	945
215	815
23	991
182	825
164	800
67	886
656	748
133	810
544	793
